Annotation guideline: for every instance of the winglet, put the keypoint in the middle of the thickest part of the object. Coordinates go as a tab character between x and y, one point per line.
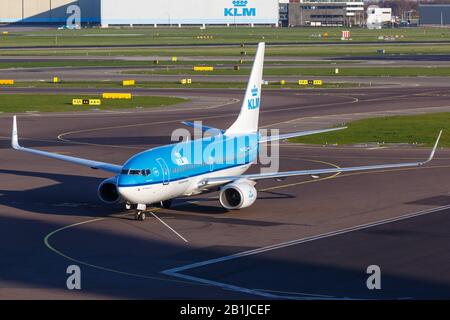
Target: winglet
14	137
434	148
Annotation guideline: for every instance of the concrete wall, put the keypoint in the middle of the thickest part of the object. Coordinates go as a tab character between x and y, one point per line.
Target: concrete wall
10	10
39	10
47	11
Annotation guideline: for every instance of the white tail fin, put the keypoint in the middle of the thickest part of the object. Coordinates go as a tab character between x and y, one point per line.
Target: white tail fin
247	122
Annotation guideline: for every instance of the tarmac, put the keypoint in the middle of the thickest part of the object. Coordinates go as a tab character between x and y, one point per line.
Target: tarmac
120	73
305	238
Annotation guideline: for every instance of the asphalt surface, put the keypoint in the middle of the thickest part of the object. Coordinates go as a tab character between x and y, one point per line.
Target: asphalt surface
225	44
120	73
304	238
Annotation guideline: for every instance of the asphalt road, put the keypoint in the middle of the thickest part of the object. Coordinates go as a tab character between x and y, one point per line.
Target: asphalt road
117	74
226	45
121	73
312	238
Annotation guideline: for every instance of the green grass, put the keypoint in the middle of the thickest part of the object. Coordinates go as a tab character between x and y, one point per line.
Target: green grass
149	63
315	72
421	129
63	103
342	50
175	85
73	63
186	35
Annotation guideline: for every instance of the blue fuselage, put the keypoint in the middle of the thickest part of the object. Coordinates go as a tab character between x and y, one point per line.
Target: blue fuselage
185	160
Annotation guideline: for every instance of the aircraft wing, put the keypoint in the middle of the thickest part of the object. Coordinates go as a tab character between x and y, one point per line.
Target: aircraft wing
296	134
194	125
80	161
277	175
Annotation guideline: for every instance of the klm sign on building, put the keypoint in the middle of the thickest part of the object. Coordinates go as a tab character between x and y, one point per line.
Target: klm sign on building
186	12
240	9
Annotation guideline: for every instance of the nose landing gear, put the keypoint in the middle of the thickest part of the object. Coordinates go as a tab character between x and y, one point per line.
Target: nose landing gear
141	209
141	212
140	216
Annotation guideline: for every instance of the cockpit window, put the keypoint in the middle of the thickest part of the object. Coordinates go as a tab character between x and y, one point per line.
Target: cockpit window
133	172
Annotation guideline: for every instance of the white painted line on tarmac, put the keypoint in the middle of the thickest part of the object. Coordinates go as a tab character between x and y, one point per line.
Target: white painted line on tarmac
175	272
296	293
377	148
169	227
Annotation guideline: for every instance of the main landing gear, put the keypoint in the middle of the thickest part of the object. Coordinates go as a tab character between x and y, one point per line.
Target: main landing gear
166	204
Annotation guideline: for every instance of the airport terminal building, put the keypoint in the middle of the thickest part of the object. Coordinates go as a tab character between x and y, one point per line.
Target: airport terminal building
143	12
434	14
47	11
329	13
189	12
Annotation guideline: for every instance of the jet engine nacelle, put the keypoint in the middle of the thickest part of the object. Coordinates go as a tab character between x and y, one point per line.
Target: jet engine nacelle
238	195
108	192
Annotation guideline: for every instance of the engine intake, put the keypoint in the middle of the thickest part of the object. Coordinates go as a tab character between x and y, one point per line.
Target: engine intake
108	192
238	195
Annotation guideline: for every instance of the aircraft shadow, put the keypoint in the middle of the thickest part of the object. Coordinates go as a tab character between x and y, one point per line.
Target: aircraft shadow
65	195
73	195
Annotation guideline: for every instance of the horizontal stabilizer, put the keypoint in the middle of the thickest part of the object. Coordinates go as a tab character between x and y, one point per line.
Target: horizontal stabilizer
196	125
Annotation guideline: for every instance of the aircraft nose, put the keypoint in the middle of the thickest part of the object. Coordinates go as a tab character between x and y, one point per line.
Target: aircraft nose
130	193
127	193
122	189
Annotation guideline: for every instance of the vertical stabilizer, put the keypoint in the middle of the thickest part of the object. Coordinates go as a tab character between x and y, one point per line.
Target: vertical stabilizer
247	122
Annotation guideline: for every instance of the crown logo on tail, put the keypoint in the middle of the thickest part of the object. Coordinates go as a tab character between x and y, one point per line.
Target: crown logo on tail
240	3
254	91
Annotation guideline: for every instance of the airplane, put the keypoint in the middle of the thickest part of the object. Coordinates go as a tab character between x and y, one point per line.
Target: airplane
159	175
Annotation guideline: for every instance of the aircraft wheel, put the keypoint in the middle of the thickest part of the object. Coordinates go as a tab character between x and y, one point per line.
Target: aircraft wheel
140	216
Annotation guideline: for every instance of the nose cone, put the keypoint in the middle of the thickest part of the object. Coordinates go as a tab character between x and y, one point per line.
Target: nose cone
133	194
125	189
120	180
